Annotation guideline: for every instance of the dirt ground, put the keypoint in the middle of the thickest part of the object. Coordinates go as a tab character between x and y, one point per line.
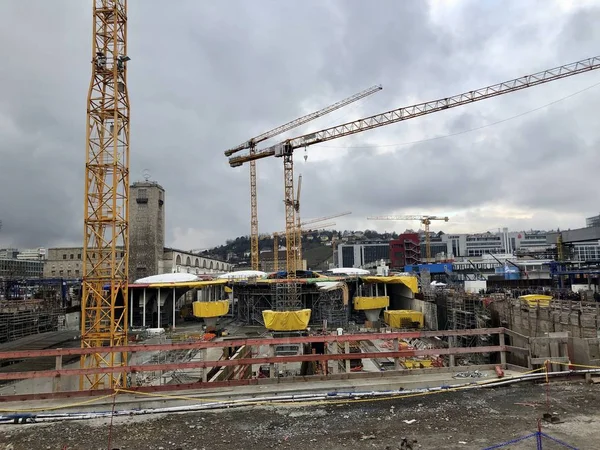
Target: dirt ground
472	419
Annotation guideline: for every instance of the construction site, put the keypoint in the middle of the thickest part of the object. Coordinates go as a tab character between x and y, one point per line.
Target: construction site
290	357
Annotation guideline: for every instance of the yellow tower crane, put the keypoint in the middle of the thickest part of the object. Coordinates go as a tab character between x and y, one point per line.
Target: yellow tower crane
285	149
425	220
251	145
106	209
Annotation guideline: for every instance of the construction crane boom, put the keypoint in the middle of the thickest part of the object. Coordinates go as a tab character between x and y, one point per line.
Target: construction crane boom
302	120
421	109
286	148
251	144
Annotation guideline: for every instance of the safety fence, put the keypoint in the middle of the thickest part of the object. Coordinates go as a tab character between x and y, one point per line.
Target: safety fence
331	355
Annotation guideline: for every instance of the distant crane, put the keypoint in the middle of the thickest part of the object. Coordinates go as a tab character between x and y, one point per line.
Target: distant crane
321	227
251	144
315	222
425	220
285	149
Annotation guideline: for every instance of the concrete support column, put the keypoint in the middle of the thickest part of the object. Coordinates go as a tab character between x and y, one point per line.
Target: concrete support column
204	369
173	308
502	343
56	385
385	293
158	306
336	362
144	309
450	346
396	359
272	373
347	351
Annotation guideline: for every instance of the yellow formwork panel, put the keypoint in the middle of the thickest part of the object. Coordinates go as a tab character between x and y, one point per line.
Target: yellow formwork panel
362	303
286	320
417	363
534	300
408	280
211	309
395	317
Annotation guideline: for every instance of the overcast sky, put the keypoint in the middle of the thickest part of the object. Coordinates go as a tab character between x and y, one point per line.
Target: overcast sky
205	76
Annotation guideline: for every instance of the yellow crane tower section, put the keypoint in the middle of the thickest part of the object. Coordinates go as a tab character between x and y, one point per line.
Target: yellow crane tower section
251	145
286	148
425	220
106	210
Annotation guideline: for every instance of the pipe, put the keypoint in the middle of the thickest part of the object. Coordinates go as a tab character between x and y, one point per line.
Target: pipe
54	417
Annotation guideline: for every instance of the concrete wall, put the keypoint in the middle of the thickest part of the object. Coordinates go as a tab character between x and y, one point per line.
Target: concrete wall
544	327
402	297
580	321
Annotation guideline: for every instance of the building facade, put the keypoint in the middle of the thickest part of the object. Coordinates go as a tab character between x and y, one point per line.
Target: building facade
362	254
479	244
12	268
406	250
592	221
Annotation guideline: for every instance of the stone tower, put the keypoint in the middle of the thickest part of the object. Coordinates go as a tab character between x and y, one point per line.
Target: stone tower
147	228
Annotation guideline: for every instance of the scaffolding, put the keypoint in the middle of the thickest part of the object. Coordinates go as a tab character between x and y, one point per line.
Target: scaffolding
329	306
288	296
466	312
21	318
253	299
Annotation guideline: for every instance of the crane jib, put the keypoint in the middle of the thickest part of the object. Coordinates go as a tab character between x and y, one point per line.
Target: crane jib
421	109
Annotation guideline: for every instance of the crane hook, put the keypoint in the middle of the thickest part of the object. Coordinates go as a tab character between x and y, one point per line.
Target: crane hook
305	154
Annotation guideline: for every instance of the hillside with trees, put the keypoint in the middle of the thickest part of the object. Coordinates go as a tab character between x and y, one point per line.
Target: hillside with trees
316	246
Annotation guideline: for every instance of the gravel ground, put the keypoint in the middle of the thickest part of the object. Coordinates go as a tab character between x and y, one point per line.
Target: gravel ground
452	420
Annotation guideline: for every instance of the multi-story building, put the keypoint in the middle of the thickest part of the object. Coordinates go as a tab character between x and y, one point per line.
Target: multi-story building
405	251
12	268
593	221
478	244
362	254
34	254
9	253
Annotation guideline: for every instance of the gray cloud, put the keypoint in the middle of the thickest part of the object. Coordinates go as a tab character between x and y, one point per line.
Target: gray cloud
207	76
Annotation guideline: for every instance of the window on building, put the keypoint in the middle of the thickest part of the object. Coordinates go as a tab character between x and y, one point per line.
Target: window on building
65	256
78	255
142	196
61	272
77	272
72	255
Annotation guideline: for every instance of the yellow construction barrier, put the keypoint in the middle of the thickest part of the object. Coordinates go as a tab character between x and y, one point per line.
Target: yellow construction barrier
533	300
409	281
286	320
211	309
363	303
403	318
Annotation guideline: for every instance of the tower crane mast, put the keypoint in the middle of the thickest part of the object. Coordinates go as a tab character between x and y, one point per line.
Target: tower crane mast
251	145
425	220
286	148
104	300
